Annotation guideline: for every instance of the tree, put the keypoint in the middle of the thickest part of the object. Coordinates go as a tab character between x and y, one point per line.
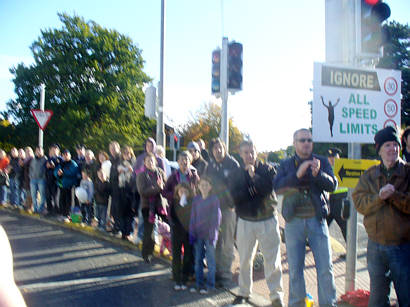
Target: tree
396	56
94	81
206	124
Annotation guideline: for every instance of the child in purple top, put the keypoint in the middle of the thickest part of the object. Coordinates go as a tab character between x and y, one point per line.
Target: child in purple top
203	233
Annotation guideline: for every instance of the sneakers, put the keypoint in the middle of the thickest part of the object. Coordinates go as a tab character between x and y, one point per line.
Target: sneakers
192	290
177	287
203	291
180	287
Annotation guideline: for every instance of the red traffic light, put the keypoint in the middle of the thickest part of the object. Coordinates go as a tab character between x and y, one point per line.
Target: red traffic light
371	2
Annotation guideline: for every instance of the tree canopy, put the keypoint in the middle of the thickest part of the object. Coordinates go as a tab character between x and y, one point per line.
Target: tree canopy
94	78
206	124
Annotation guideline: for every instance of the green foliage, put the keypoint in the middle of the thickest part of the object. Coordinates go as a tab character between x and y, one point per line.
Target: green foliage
206	124
396	56
94	81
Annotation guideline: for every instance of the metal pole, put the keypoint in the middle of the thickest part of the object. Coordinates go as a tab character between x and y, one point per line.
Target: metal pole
224	93
351	256
42	97
160	119
341	48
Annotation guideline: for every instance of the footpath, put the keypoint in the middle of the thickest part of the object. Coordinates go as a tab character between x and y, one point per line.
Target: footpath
260	296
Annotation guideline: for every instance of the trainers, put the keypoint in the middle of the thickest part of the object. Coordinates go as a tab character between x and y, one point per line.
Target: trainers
183	287
203	291
192	290
177	287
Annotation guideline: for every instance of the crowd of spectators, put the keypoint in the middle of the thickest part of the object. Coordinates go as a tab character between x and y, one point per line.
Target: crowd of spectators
207	202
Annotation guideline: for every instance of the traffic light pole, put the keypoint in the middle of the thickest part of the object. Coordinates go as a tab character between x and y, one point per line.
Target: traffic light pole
341	49
160	119
224	93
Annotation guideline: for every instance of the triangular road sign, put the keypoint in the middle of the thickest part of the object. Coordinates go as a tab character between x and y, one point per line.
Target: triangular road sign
42	117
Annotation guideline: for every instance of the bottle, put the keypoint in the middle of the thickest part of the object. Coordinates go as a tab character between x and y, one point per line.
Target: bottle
309	300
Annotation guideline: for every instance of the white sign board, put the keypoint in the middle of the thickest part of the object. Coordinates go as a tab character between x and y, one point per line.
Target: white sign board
41	117
350	105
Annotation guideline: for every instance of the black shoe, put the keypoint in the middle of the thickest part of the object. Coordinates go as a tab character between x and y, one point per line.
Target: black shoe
277	303
240	300
147	259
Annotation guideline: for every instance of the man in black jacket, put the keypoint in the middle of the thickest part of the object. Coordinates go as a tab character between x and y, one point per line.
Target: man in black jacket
255	203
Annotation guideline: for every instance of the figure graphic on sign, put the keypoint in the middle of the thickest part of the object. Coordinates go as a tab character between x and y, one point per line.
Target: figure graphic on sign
331	110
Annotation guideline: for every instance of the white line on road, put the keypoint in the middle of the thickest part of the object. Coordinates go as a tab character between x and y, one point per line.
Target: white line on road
76	282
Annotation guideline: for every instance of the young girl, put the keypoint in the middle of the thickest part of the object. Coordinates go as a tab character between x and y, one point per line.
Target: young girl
203	233
87	207
181	213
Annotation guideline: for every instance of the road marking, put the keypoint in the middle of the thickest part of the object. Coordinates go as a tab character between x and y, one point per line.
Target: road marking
76	282
36	235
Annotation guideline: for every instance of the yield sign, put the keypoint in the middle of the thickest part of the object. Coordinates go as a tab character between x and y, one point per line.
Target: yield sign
42	117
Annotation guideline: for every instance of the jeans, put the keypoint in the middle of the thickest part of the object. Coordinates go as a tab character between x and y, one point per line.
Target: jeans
387	263
3	194
204	248
140	226
14	191
87	212
317	232
101	215
38	185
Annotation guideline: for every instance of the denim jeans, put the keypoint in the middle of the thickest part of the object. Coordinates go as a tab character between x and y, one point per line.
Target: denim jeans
3	194
87	213
204	248
38	185
14	191
387	263
101	215
317	232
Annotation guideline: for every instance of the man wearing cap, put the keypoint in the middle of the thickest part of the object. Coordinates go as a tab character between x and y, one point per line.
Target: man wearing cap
383	197
336	198
197	161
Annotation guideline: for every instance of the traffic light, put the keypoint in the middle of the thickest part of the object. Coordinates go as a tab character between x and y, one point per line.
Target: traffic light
216	71
373	35
235	66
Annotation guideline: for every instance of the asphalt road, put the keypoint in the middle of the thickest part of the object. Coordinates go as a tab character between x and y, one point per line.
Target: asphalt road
55	266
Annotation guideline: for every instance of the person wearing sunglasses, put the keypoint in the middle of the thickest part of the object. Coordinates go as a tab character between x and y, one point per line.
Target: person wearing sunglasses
304	180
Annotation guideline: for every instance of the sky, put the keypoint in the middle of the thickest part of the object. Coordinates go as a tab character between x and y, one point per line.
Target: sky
281	41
